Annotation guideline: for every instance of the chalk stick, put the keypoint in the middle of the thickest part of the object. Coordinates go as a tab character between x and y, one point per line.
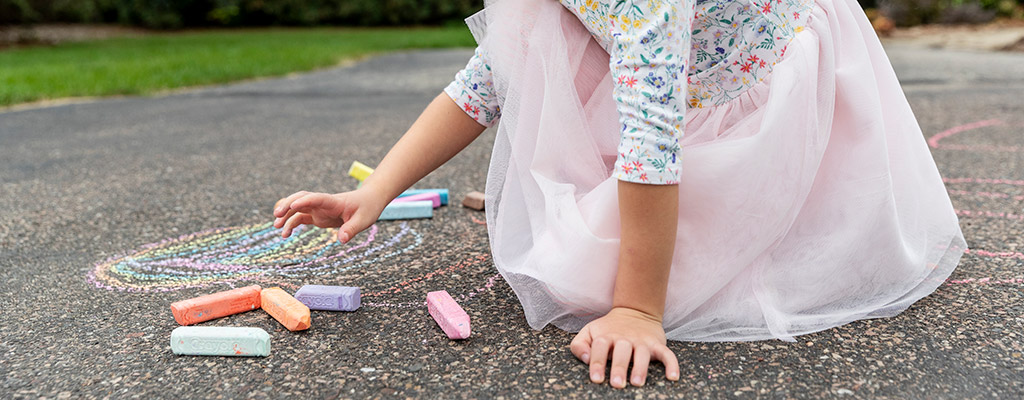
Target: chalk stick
408	210
330	298
434	198
285	309
452	319
216	305
359	171
441	192
474	200
220	341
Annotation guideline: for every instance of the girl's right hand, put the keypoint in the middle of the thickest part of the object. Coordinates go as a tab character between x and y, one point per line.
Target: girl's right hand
351	211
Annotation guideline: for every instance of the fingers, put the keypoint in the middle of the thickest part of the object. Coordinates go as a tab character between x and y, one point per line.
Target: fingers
281	207
598	359
668	358
313	201
279	221
621	354
580	346
357	223
295	221
641	359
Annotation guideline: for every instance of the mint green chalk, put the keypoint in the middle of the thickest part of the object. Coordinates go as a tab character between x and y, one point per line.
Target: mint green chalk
441	192
220	341
408	210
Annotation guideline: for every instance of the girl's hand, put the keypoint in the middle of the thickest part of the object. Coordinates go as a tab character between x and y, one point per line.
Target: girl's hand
625	334
351	211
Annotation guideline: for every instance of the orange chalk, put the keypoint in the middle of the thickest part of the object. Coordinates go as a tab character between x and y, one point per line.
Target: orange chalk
285	309
216	305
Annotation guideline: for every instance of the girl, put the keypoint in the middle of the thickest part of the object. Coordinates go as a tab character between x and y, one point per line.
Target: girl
697	170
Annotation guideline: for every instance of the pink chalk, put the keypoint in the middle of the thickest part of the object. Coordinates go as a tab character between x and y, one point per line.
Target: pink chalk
452	319
433	197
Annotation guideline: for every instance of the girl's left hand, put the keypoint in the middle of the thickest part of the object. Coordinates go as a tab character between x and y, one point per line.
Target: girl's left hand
625	334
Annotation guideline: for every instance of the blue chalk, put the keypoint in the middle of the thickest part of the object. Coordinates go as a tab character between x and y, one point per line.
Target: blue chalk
442	192
408	210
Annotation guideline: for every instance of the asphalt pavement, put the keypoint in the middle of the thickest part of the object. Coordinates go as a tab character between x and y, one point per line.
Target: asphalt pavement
111	210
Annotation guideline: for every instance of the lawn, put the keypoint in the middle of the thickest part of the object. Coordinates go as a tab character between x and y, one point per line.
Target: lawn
151	63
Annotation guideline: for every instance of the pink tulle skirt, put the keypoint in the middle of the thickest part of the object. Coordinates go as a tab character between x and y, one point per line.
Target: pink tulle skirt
808	202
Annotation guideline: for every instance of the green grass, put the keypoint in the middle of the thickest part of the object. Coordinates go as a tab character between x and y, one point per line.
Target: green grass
147	64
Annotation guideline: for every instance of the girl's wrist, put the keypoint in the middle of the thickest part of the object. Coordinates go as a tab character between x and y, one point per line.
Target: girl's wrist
637	312
375	192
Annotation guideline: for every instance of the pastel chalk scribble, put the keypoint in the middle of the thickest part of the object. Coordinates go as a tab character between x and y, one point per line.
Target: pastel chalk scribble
935	142
251	253
257	254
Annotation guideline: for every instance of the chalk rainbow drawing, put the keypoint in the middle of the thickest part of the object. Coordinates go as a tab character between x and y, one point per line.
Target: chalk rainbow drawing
258	254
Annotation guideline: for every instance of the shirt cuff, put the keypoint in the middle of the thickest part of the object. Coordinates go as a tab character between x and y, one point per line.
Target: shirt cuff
648	158
472	105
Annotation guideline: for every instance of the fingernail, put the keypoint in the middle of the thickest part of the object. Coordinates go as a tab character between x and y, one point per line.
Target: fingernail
343	237
637	381
673	376
596	377
585	357
617	381
278	209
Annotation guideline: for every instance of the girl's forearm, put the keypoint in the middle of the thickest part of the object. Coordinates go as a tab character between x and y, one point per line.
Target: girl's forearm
649	219
440	132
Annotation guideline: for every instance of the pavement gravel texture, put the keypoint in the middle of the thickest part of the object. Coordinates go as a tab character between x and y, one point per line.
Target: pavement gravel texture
188	180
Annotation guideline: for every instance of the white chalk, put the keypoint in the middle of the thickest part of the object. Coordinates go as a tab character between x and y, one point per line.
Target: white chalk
220	341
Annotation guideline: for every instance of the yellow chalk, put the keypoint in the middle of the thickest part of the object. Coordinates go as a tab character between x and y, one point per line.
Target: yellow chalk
359	171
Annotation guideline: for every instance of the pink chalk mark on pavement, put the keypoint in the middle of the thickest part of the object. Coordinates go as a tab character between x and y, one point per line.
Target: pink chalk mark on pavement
990	214
986	194
933	141
1010	182
985	281
991	254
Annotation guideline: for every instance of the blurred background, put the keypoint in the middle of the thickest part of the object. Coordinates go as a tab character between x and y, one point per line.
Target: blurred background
53	49
177	14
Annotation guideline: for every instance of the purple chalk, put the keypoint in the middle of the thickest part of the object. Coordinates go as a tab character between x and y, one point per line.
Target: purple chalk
432	197
331	298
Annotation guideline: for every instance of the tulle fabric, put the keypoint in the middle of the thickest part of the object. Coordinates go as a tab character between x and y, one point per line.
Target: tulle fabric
808	202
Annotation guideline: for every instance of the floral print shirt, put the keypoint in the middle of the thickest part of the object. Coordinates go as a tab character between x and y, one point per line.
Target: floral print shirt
664	57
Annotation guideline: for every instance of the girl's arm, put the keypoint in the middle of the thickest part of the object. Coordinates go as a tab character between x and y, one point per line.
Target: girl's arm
633	330
440	132
649	215
648	63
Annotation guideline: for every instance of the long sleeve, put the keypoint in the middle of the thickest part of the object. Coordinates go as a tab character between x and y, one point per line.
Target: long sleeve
473	90
649	53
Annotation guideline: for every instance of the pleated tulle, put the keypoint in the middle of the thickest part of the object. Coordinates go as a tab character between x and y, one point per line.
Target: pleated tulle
808	202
